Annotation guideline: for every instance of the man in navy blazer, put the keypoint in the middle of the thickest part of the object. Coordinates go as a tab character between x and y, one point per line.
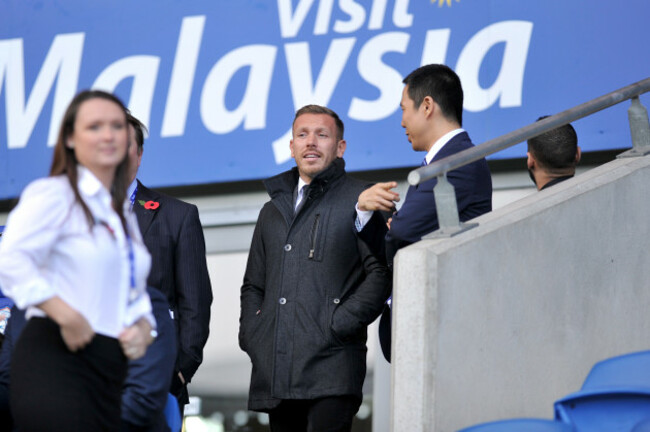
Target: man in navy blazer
148	379
432	115
172	232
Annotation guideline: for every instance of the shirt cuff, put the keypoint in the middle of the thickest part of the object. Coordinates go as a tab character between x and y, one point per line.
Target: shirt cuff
363	216
32	293
141	308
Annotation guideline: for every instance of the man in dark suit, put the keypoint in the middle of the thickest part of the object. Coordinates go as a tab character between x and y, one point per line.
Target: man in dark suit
432	114
553	156
172	232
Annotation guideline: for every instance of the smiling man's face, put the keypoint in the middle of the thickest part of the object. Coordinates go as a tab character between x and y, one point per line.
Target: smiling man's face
315	144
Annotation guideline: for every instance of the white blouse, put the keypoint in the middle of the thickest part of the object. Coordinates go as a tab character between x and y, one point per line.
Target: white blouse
47	249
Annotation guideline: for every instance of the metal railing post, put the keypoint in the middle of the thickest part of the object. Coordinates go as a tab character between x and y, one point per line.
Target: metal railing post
639	129
447	210
446	205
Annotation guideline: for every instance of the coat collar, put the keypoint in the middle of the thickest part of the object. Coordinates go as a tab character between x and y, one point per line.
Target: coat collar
442	141
556	181
285	182
451	146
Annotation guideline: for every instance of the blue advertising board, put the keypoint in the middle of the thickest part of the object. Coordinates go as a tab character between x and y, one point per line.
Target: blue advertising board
217	82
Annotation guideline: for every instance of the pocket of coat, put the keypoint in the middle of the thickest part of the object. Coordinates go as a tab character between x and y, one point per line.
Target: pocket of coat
332	304
318	235
251	331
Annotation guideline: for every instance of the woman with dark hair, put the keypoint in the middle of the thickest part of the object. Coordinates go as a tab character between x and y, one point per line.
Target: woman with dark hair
72	255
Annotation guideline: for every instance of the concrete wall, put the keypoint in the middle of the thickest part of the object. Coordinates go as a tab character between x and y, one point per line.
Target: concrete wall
504	319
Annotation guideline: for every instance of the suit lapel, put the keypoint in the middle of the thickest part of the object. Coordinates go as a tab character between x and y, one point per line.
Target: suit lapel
144	216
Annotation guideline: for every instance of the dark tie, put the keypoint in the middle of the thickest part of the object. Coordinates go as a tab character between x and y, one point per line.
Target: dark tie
424	162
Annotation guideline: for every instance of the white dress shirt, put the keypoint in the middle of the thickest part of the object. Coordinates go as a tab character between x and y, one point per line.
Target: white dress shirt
48	250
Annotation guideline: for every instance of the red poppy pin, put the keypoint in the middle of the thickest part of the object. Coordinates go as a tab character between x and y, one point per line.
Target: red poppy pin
149	205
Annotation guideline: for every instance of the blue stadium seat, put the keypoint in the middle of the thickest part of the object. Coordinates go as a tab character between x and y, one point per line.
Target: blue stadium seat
520	425
629	370
614	396
606	411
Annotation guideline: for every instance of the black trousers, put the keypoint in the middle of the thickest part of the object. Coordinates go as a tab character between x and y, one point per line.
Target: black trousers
54	389
328	414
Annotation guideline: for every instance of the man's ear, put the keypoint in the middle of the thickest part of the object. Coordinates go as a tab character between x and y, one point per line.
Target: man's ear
428	105
530	161
578	154
291	148
340	148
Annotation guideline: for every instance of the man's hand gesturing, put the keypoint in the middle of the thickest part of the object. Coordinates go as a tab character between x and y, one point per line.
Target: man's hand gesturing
379	197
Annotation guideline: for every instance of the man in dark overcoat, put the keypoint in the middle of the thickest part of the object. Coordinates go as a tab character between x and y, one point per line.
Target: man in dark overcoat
311	287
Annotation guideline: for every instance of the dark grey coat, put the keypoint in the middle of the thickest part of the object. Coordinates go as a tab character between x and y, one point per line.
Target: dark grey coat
310	290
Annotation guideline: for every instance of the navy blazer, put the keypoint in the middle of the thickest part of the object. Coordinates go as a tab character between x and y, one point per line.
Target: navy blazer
418	216
173	234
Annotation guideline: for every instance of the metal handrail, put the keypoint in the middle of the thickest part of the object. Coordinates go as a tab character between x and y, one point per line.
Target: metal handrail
441	167
444	193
